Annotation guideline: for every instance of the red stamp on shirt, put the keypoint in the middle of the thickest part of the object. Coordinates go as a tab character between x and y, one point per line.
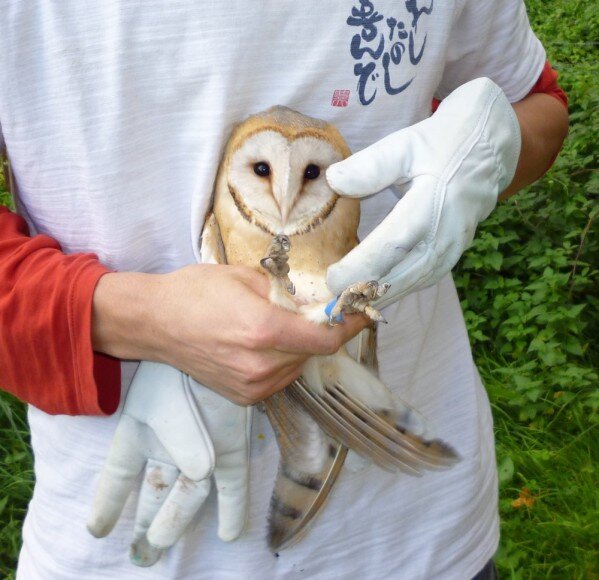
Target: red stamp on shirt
340	98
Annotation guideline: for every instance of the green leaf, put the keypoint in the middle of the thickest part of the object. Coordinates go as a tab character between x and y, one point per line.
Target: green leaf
494	259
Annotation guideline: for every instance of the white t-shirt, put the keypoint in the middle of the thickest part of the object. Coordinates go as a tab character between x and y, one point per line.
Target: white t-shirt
115	113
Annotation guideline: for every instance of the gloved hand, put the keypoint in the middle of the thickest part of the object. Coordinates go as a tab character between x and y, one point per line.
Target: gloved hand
452	167
182	433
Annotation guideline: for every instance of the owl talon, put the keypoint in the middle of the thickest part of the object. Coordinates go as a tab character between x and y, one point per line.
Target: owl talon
276	261
356	298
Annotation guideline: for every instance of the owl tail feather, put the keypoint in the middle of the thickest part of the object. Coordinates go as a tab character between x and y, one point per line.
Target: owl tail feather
308	467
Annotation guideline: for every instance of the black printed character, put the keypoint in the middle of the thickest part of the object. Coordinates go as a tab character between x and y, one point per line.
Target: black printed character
412	8
416	12
367	50
367	18
394	54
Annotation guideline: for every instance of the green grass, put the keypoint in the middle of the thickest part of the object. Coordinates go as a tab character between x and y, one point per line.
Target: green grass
16	480
530	293
530	290
556	535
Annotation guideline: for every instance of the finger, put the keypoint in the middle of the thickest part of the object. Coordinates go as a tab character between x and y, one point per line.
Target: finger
231	476
250	394
243	391
411	222
352	325
277	359
292	333
280	376
281	381
183	502
123	464
373	169
158	480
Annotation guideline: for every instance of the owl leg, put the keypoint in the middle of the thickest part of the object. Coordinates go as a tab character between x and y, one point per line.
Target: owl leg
357	298
276	261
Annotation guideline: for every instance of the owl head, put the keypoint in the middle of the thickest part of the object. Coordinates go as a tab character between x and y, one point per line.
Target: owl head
274	168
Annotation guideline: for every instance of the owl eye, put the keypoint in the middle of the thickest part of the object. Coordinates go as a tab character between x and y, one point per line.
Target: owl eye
262	169
312	171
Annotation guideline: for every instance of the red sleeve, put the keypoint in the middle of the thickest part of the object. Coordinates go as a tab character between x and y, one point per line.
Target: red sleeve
46	355
546	83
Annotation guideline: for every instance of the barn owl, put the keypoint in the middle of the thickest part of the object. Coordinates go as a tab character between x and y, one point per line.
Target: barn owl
274	211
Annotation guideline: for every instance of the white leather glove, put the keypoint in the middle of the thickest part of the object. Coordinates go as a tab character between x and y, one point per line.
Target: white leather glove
452	167
182	433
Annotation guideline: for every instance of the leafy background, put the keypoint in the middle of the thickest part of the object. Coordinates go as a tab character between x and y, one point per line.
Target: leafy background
530	291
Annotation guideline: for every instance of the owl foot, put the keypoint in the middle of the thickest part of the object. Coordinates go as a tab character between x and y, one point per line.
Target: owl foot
276	261
356	298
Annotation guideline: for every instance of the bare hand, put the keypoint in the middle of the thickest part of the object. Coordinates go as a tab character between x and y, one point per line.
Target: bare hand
214	323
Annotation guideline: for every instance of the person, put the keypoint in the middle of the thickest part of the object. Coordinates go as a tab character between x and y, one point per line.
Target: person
113	116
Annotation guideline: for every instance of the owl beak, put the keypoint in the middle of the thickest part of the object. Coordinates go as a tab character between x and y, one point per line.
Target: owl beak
284	214
285	193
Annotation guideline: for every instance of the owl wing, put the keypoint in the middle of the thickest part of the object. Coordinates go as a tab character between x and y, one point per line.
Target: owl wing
316	424
393	438
310	460
212	250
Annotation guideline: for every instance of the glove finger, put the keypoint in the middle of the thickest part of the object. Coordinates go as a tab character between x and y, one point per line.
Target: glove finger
143	554
183	502
415	271
187	442
422	268
232	485
373	169
231	476
406	226
124	463
159	479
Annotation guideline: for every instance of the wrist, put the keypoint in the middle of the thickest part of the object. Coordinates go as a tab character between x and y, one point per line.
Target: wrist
543	125
123	315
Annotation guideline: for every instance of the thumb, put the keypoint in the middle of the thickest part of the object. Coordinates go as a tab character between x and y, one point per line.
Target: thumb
371	170
403	229
179	427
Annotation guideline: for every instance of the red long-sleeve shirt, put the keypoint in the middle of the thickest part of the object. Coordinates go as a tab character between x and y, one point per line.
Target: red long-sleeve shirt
46	353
